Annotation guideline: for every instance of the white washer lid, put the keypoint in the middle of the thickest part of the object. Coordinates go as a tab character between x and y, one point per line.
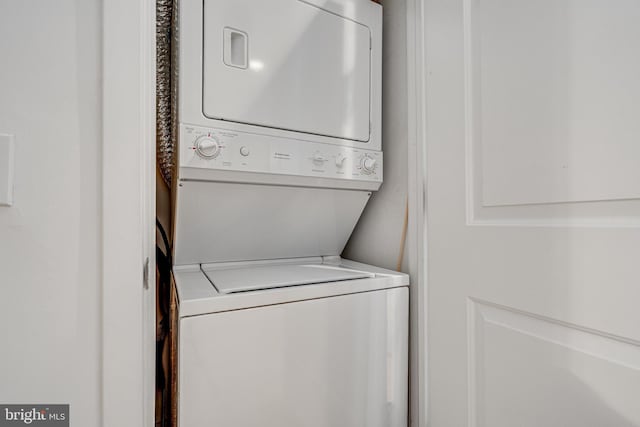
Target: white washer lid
233	280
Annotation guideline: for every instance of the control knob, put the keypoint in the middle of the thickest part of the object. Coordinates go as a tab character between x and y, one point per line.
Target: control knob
207	147
368	164
318	159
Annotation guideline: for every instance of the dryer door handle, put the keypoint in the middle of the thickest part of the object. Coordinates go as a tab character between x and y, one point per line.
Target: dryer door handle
235	48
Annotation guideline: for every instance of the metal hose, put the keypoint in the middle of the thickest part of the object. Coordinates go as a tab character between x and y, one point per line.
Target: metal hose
165	137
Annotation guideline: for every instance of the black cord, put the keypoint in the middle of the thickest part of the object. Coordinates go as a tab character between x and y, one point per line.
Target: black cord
164	264
165	239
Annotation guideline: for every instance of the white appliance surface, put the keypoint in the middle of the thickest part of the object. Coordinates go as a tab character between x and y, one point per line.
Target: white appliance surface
279	112
227	151
318	355
199	296
230	280
288	65
216	222
300	71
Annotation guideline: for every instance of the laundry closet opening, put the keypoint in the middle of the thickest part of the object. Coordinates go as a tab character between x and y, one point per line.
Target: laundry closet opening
282	213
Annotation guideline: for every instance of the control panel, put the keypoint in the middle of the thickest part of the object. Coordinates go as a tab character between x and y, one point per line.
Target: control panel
221	149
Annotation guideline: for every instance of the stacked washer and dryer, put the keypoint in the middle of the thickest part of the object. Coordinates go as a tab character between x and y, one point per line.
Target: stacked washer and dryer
279	150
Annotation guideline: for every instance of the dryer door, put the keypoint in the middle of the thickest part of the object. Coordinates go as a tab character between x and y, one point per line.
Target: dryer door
286	64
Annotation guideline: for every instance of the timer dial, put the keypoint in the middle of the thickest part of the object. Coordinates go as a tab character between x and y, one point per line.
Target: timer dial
368	164
207	147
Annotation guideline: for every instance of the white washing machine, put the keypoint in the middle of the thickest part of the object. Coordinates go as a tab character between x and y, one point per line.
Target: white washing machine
279	151
316	342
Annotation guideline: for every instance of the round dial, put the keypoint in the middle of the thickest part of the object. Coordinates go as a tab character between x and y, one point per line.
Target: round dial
207	147
368	164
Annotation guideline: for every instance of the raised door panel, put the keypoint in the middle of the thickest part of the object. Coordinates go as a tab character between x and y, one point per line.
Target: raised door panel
531	371
556	102
551	98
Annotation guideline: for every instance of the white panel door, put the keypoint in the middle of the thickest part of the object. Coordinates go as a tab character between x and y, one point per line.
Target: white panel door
287	64
533	212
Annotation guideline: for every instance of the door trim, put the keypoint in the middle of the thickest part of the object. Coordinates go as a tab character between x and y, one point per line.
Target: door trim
417	232
128	213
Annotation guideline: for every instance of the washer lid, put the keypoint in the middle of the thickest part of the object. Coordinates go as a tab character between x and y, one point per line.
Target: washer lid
234	280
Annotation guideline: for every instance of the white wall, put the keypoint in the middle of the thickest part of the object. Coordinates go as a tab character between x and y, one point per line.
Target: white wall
377	237
50	240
